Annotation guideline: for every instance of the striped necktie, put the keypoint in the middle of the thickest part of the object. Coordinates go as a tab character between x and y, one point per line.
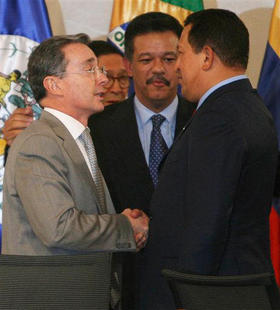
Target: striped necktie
86	140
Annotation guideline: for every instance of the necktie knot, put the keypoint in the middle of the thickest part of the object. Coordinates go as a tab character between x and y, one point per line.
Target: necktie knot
157	120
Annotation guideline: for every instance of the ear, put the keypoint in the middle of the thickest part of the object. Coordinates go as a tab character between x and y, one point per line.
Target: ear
128	66
207	57
52	85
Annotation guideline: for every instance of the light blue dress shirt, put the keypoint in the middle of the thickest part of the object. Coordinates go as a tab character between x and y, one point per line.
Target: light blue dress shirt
145	126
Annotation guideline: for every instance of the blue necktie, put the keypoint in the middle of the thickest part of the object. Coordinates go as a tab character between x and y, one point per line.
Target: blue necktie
157	148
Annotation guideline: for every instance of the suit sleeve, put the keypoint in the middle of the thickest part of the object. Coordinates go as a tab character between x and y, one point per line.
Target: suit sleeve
215	158
46	194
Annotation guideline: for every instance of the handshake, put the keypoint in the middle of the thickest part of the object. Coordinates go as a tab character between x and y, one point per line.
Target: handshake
140	225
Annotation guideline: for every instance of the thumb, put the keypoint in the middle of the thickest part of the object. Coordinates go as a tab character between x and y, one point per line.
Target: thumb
136	213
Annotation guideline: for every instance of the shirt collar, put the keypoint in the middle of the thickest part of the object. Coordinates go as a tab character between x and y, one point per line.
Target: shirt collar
224	82
74	127
145	114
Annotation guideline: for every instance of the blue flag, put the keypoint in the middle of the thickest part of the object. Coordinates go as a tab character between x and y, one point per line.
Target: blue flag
269	90
23	25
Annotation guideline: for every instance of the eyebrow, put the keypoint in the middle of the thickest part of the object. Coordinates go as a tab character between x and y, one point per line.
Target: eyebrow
120	73
89	61
173	53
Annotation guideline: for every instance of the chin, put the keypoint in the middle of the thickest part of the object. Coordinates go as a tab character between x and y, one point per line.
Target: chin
110	102
106	103
98	107
159	94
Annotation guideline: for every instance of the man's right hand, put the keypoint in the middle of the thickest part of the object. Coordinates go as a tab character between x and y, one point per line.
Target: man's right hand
140	225
20	119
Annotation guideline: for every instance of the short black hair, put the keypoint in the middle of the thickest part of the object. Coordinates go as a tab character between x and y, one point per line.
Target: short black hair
147	23
100	47
224	32
48	59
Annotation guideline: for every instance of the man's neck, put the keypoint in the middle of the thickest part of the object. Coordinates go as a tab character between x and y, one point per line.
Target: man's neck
156	105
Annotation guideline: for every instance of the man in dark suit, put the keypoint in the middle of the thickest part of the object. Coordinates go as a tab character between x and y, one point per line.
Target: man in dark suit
211	207
122	132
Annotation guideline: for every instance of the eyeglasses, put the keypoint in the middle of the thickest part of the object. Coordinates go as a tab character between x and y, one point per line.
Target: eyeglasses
123	81
92	70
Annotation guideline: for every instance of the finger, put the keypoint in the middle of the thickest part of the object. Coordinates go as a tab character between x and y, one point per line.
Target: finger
20	117
139	236
141	244
23	111
10	131
16	124
11	136
141	240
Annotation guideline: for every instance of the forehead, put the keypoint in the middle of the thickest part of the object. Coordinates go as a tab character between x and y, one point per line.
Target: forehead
78	53
111	62
184	37
155	42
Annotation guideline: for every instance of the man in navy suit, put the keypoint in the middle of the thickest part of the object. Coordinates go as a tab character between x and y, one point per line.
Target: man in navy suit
211	207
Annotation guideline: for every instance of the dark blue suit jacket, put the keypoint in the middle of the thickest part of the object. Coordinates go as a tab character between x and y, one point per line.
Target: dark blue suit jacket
211	207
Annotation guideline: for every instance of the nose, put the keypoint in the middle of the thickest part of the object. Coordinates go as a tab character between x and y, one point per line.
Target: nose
177	65
101	77
158	65
116	88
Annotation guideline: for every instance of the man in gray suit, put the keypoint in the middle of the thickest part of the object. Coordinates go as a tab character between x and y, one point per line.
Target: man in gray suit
52	202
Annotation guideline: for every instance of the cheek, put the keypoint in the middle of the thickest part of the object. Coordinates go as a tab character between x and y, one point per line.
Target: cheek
173	77
124	93
141	72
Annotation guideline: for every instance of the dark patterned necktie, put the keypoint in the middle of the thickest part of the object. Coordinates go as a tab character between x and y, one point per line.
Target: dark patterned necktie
157	147
86	140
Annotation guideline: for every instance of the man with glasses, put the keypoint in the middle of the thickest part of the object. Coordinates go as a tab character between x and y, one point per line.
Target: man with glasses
115	89
112	60
55	199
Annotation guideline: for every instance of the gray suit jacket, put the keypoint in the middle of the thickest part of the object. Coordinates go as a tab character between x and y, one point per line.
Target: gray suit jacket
49	198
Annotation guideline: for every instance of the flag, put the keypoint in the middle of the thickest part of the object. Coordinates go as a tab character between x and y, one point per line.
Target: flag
269	90
23	25
126	10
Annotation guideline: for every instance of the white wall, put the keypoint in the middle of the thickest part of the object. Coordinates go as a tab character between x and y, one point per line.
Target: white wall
93	17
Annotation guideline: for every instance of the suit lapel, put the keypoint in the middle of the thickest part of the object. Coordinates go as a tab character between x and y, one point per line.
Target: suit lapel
184	114
129	144
183	120
239	85
72	150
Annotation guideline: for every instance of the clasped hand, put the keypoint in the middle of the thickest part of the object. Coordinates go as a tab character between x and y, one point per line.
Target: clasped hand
140	225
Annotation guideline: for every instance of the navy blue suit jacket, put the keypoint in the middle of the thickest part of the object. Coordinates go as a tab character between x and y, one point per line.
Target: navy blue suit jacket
211	207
